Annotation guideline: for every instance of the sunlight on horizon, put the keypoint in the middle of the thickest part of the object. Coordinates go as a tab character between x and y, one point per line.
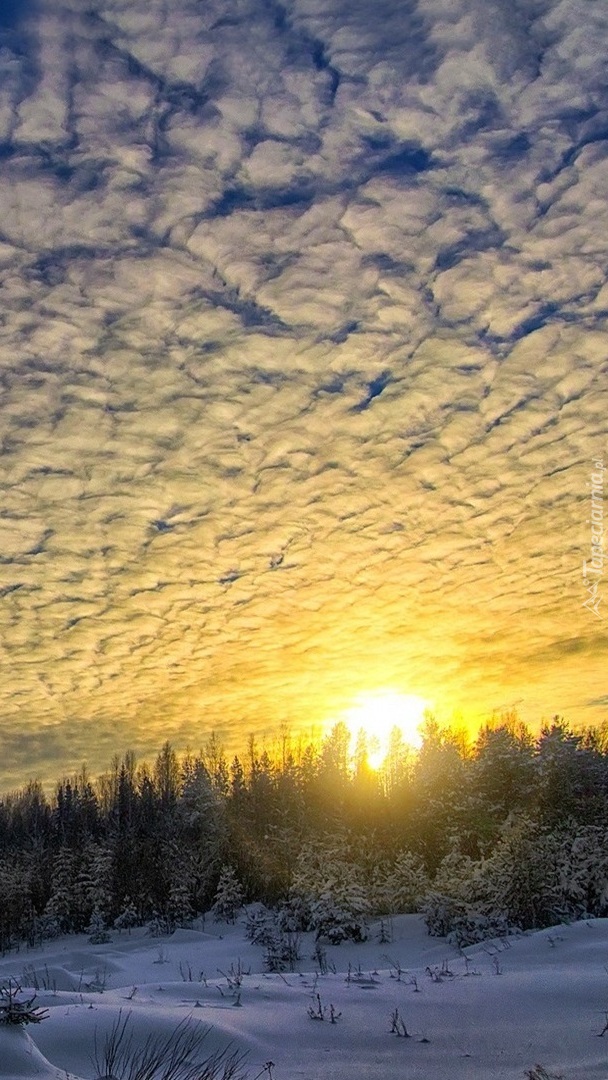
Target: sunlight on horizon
378	713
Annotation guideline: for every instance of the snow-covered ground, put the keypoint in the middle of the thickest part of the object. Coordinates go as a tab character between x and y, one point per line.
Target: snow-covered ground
491	1014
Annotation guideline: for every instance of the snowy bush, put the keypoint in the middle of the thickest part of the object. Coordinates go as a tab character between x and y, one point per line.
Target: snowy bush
327	867
46	927
582	870
455	876
282	952
159	926
449	917
179	906
336	923
471	928
441	913
533	878
331	886
282	946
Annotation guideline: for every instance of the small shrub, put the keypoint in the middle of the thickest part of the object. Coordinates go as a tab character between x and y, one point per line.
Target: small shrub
282	952
46	928
160	926
398	1026
18	1011
260	926
320	1011
471	928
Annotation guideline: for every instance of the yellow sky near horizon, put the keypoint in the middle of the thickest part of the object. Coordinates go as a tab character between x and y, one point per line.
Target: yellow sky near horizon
303	368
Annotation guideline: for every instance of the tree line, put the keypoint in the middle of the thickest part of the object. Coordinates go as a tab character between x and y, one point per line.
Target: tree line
511	825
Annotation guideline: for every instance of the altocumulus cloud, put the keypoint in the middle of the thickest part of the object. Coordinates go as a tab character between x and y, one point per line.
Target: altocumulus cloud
303	362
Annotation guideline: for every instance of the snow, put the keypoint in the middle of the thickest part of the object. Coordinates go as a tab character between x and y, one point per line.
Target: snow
493	1011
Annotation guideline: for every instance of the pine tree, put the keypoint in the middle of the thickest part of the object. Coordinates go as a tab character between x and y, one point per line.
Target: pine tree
167	778
97	931
61	904
328	877
406	884
229	896
520	880
179	907
503	769
128	917
16	913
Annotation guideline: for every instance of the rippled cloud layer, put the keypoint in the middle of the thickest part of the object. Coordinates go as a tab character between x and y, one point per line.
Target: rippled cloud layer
303	363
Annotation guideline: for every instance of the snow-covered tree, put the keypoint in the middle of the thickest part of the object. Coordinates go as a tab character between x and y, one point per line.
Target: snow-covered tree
503	768
333	885
128	917
582	867
294	915
520	880
455	876
61	903
179	907
92	884
405	885
326	866
340	921
441	913
228	897
16	913
97	929
260	925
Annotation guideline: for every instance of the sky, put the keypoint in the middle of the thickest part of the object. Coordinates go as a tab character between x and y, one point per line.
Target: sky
303	366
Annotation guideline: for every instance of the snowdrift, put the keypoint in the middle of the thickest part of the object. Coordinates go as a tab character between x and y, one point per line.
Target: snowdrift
414	1007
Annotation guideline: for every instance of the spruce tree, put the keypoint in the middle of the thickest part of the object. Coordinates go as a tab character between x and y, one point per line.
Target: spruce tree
228	897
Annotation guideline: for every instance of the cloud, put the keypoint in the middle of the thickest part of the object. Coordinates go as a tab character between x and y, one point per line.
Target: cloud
303	363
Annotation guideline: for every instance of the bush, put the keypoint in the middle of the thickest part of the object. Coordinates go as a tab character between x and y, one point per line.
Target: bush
471	928
336	923
282	952
450	918
17	1011
441	913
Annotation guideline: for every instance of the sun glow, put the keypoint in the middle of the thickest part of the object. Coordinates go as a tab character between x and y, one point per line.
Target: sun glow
377	714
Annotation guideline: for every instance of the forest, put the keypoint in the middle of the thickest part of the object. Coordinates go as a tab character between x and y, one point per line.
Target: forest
508	831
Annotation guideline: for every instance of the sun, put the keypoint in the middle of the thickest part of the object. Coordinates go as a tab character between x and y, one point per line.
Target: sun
378	713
